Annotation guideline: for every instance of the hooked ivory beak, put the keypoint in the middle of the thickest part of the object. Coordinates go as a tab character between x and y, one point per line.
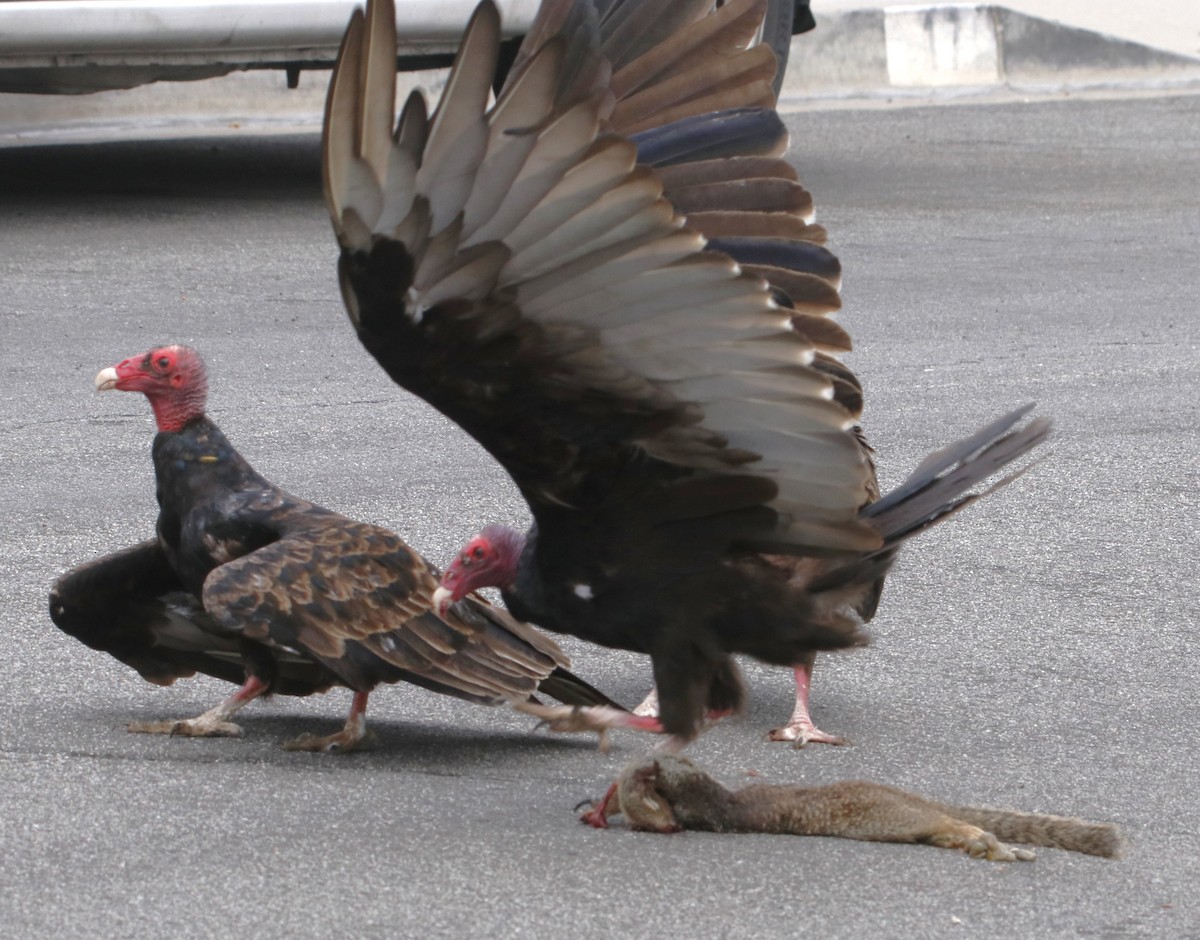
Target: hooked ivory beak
106	379
442	599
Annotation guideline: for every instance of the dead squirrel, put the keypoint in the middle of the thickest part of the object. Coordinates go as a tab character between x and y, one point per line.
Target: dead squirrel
665	793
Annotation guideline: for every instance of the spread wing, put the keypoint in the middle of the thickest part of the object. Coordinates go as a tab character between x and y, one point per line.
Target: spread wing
527	268
357	599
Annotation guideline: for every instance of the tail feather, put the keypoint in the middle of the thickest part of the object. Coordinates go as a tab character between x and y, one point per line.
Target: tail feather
568	688
937	489
946	457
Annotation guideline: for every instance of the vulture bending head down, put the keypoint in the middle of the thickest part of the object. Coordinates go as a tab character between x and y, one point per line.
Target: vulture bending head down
250	584
662	388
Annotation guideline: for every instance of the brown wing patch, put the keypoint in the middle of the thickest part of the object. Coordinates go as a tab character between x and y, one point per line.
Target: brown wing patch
325	582
594	337
339	589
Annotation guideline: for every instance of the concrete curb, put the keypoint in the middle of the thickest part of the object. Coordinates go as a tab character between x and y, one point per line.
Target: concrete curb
967	44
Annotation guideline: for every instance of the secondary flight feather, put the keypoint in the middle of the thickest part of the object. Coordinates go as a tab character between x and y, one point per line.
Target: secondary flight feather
662	388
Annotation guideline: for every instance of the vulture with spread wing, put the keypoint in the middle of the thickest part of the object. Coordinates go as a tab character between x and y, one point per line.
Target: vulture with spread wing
250	584
606	277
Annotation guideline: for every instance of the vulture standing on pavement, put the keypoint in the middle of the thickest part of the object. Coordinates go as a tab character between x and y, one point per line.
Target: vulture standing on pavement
606	278
250	584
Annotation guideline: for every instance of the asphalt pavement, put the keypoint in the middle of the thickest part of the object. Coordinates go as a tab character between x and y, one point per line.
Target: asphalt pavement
1036	652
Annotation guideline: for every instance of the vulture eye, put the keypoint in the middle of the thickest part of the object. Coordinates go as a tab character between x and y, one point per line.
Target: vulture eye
477	551
163	363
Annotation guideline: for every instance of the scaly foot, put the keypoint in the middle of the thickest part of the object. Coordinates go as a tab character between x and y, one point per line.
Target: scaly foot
800	729
801	733
341	743
350	738
570	719
214	723
202	727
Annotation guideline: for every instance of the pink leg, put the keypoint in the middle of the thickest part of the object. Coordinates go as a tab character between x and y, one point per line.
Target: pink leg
348	739
800	729
214	723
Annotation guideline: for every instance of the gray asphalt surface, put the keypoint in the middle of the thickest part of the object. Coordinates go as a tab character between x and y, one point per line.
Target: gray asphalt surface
1037	652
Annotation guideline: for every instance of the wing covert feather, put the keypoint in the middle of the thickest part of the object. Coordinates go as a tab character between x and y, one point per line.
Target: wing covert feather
324	582
330	581
573	323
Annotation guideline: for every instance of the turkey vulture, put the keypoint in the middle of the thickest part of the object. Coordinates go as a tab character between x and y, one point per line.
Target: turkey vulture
661	390
250	584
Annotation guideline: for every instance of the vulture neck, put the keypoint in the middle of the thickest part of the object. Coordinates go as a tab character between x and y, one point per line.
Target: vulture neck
509	546
522	588
174	412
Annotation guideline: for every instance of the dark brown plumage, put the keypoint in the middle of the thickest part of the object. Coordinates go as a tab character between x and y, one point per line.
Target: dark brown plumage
663	409
250	584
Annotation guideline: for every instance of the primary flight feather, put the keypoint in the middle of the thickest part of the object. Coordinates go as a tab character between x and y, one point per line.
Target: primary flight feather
662	389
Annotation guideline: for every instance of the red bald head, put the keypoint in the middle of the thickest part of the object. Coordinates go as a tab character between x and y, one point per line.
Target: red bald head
172	377
488	560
